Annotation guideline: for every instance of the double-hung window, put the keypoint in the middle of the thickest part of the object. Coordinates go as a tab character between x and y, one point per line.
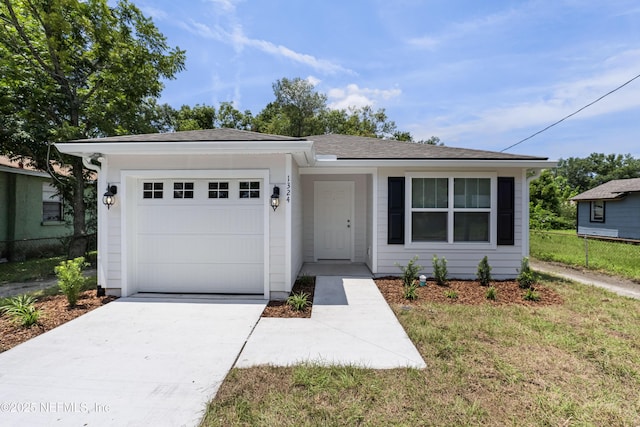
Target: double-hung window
450	208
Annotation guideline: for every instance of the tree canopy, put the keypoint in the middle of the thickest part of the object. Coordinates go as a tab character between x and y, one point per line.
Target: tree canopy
550	194
74	69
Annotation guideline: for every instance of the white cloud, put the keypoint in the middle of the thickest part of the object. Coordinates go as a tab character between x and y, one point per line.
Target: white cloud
426	42
227	6
314	80
239	41
354	96
155	13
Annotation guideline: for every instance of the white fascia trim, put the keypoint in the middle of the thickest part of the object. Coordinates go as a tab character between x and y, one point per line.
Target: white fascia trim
333	171
436	163
200	147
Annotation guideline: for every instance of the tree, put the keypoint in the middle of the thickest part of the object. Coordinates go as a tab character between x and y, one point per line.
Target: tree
198	117
73	69
361	121
295	111
230	117
583	174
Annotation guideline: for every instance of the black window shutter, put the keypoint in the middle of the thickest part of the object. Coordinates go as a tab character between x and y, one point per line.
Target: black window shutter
395	234
506	210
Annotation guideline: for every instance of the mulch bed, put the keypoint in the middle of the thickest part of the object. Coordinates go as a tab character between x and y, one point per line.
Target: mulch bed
469	292
282	309
55	312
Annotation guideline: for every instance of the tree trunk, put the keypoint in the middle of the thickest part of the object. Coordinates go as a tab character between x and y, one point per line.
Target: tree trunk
79	241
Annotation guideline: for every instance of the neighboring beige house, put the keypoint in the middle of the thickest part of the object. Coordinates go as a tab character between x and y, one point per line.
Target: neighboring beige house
193	210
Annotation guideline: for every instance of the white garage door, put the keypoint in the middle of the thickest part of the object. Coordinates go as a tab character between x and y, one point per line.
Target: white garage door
200	236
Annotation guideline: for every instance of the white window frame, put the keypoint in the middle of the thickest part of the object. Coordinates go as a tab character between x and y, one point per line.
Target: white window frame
51	195
228	191
451	210
592	211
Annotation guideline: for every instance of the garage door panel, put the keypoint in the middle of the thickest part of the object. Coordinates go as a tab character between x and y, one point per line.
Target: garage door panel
199	245
201	219
198	249
244	279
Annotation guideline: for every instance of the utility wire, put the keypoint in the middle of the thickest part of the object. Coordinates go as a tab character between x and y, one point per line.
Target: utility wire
572	114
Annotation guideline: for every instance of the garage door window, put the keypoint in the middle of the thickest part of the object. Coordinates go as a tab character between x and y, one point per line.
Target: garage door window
152	190
183	190
249	189
218	190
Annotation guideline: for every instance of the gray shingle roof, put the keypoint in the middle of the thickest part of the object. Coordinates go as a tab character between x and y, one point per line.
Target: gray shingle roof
342	146
358	147
614	189
196	135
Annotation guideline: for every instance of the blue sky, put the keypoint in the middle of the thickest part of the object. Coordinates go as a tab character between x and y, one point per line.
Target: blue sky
479	74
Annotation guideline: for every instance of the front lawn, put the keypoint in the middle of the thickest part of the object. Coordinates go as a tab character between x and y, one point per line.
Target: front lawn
575	363
566	247
25	271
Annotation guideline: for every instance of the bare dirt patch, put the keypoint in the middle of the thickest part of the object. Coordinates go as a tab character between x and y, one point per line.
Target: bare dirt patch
282	309
468	292
55	312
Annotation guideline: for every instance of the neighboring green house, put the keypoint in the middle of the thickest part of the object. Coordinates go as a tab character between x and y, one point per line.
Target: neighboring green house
31	213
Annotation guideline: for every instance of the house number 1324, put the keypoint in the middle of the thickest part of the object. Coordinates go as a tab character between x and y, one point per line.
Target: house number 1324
288	188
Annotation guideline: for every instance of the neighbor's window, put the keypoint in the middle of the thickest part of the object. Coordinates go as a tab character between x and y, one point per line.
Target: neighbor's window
51	203
218	190
450	209
183	190
152	190
597	211
249	189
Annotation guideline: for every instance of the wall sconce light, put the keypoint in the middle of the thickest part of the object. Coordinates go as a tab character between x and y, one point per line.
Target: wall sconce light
275	198
109	198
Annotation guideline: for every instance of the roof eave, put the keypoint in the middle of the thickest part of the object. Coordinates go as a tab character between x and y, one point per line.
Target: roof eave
440	163
302	150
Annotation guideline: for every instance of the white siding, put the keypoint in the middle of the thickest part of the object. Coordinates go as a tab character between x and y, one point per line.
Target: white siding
296	223
461	263
117	164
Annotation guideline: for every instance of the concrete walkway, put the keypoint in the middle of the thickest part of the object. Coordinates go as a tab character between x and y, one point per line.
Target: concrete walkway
351	324
132	362
618	285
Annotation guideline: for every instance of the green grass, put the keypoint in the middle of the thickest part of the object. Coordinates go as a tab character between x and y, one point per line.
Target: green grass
572	364
607	256
25	271
35	269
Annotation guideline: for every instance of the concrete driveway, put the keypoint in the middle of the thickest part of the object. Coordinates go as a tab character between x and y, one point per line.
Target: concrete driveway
133	362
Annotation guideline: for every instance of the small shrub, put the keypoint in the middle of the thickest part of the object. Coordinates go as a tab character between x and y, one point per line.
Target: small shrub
526	277
70	278
22	310
531	295
305	280
298	301
410	292
410	271
484	272
492	293
440	270
451	294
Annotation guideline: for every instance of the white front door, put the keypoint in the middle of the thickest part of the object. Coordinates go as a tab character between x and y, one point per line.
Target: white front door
333	219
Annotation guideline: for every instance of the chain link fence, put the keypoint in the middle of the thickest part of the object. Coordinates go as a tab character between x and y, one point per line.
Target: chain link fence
23	249
614	256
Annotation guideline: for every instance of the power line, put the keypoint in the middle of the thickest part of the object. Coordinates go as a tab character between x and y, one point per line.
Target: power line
572	114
